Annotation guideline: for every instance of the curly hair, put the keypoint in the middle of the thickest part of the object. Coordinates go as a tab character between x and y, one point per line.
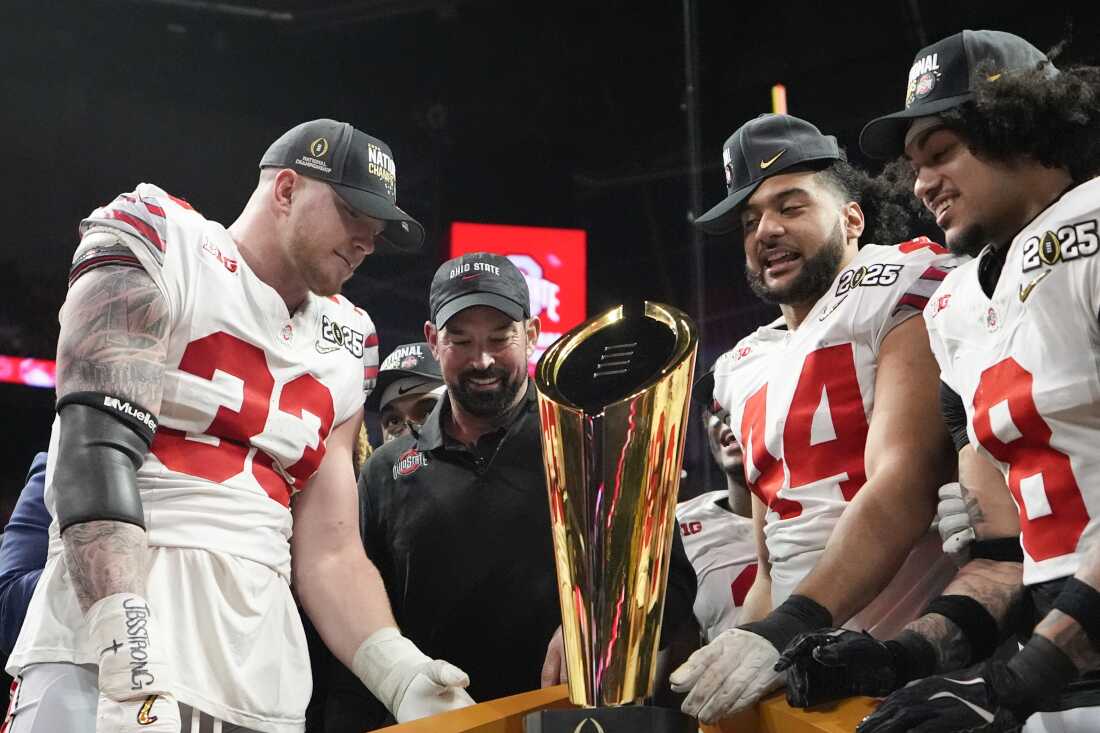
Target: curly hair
1054	120
887	208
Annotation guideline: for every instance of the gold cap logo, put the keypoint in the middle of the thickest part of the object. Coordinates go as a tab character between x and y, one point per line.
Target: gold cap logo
318	147
765	163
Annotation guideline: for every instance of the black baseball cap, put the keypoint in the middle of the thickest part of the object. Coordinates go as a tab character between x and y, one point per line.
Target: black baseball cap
359	168
413	362
702	392
760	148
478	278
943	76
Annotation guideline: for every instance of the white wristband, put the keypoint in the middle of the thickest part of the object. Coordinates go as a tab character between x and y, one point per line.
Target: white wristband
386	663
129	647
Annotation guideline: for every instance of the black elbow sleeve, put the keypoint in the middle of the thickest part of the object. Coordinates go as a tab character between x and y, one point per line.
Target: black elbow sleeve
102	444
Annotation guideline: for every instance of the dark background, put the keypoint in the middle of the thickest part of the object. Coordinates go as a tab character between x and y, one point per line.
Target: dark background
567	114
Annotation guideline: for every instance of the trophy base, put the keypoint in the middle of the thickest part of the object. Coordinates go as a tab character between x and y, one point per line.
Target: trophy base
625	719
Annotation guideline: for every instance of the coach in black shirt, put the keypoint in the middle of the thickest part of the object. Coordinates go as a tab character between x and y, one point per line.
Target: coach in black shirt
455	515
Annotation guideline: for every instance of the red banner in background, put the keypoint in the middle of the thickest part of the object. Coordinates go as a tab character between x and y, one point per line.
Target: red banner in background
554	261
31	372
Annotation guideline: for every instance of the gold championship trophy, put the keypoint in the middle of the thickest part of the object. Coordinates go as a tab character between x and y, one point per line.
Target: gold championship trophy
613	403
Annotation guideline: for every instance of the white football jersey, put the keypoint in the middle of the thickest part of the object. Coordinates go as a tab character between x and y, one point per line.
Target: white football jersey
1024	362
722	550
800	402
251	393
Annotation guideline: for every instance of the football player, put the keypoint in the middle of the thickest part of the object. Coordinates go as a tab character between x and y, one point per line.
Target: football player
835	405
409	386
1003	150
210	380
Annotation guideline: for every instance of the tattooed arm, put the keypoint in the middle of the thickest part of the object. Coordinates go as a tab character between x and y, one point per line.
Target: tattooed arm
114	334
998	586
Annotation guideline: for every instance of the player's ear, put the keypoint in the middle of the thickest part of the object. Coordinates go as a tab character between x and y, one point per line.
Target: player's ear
283	189
533	328
853	221
431	335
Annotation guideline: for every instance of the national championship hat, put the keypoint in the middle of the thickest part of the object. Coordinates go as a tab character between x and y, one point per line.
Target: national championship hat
359	168
943	76
763	147
478	278
409	369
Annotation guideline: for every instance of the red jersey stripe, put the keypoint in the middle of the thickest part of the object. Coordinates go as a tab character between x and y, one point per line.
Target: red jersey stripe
934	273
371	340
370	372
146	231
911	300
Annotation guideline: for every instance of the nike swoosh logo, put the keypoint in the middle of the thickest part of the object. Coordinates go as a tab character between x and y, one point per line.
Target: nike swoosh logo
401	391
1026	290
144	716
765	163
980	712
471	277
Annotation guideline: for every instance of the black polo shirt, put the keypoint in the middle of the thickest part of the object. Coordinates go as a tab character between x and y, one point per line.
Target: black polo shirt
462	539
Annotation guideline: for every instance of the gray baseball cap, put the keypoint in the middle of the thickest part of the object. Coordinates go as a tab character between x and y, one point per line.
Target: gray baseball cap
763	147
359	168
943	76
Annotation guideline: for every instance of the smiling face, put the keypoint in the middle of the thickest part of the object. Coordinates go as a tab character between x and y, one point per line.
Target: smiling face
324	239
975	201
797	235
483	355
724	447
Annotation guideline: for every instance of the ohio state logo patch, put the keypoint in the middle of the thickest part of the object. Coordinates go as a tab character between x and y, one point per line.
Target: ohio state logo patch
409	463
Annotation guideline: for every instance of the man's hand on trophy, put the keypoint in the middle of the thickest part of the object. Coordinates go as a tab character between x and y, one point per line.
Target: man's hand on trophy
435	689
832	664
554	669
728	674
408	682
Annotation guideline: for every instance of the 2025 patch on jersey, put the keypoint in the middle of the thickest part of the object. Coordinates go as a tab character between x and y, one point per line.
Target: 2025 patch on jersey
800	402
1024	363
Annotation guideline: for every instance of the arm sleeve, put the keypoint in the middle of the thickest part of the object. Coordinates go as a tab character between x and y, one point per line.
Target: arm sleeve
680	593
954	416
23	553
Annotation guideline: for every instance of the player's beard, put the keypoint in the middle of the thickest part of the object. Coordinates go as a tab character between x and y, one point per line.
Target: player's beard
969	242
487	403
812	281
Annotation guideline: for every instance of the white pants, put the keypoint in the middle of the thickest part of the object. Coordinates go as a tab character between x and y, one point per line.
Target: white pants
1078	720
49	698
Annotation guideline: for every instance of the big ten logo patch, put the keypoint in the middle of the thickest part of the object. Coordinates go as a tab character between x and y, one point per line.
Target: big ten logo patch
334	336
690	528
409	463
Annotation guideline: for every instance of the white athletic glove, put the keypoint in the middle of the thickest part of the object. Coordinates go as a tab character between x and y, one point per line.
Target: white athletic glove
409	683
727	675
953	523
133	676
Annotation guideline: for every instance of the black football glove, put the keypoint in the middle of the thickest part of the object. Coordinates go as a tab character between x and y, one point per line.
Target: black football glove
974	700
832	664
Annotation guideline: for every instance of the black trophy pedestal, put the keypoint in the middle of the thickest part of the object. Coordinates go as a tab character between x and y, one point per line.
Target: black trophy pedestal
625	719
